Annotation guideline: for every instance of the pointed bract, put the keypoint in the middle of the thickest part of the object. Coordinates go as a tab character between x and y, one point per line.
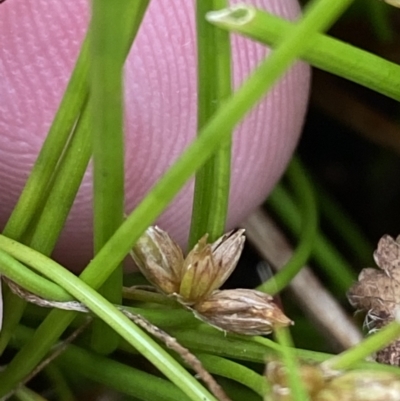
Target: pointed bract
159	259
241	311
226	252
198	273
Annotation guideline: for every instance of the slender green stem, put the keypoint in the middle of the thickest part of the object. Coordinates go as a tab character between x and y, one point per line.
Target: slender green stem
323	52
359	352
35	191
65	187
234	371
236	391
26	394
339	271
53	215
30	281
211	194
215	132
297	389
12	311
344	225
309	227
253	349
379	15
42	287
59	384
117	321
37	187
131	22
114	375
120	377
106	99
216	343
147	296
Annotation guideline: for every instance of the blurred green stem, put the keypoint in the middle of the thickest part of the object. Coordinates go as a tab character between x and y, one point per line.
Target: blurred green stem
367	347
309	226
330	260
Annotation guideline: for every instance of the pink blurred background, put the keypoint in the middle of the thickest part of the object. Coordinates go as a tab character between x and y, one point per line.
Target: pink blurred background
40	41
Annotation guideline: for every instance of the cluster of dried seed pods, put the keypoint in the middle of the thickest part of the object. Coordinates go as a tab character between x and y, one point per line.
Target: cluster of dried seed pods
356	385
195	281
377	292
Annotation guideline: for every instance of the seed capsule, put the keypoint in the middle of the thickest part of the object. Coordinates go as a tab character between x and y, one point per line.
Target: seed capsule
159	259
205	269
241	311
208	266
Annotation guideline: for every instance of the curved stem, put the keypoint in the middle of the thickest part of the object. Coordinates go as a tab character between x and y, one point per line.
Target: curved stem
324	52
116	320
309	228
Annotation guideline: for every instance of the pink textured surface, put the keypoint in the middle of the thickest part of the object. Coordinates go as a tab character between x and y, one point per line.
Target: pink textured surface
40	40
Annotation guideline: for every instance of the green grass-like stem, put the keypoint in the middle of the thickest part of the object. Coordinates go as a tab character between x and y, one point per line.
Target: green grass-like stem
288	358
64	189
215	132
118	322
106	106
359	352
34	193
309	226
344	225
114	375
50	221
31	281
25	394
336	267
234	371
59	383
323	52
211	192
55	177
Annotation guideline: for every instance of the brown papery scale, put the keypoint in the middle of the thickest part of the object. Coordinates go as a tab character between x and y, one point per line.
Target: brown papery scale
377	292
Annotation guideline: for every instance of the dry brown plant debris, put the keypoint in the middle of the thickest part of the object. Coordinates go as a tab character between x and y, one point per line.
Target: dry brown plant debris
377	292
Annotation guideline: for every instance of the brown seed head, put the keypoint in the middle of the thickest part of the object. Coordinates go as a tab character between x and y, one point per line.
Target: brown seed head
205	269
198	273
207	266
226	253
387	256
377	292
241	311
159	259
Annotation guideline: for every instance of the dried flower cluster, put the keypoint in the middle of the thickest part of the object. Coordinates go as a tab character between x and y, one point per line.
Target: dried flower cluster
357	385
194	281
377	292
